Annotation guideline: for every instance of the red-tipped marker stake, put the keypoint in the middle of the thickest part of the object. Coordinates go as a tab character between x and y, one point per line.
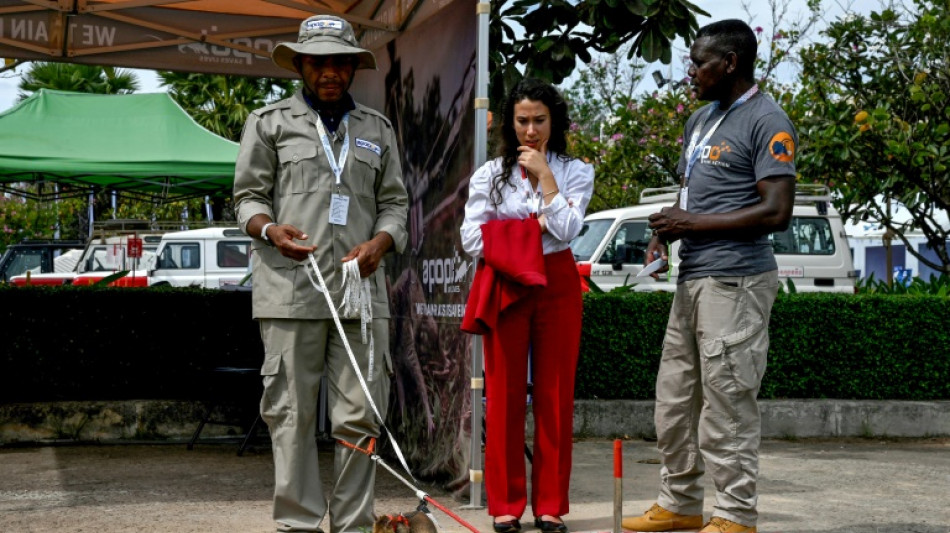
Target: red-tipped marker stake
618	484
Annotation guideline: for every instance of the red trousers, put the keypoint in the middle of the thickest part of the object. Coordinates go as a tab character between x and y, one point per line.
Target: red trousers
549	323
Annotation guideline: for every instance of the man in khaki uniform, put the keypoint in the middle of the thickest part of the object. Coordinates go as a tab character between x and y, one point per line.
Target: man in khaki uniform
318	173
737	186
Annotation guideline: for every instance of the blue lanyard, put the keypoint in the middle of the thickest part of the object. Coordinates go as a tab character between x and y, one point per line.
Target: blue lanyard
335	166
695	146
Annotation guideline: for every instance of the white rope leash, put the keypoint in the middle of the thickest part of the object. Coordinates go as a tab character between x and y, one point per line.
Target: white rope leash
365	299
358	302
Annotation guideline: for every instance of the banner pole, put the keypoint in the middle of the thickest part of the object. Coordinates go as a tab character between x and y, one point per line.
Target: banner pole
483	12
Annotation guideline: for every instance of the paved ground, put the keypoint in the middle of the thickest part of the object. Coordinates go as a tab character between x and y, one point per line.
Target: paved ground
837	486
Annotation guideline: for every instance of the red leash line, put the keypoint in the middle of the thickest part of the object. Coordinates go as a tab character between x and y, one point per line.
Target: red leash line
456	517
369	449
419	494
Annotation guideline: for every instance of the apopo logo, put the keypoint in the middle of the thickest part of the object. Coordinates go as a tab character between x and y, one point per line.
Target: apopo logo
714	152
221	54
448	272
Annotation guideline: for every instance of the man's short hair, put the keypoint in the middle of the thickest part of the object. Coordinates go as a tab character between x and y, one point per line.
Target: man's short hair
733	35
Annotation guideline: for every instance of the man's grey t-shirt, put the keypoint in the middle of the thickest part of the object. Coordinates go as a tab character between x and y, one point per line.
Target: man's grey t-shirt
755	141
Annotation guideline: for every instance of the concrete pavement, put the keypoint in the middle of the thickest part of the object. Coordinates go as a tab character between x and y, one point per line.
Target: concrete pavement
843	485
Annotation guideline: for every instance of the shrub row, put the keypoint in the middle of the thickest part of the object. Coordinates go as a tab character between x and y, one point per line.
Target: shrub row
89	343
822	346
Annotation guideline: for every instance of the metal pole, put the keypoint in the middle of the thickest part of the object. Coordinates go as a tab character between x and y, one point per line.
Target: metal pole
91	214
57	233
483	12
618	485
475	473
208	209
888	251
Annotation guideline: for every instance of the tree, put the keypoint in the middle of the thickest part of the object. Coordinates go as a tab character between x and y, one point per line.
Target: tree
875	122
785	38
635	141
222	103
637	147
545	38
162	210
601	85
79	78
31	219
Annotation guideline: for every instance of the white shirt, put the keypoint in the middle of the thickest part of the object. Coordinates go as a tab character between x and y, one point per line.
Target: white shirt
564	215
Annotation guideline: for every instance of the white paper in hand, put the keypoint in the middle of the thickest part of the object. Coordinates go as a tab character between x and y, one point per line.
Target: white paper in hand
651	268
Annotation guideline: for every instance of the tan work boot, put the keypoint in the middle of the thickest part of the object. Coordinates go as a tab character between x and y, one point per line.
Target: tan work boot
659	519
721	525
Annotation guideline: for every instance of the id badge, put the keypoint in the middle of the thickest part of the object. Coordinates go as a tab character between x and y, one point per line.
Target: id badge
339	205
684	197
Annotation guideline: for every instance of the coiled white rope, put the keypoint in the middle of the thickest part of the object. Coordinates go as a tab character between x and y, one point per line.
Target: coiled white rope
362	302
358	303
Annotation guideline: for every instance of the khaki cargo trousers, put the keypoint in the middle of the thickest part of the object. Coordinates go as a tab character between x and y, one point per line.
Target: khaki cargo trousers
297	353
714	356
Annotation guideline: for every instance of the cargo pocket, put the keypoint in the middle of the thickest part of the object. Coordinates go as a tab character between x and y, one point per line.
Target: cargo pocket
730	363
274	398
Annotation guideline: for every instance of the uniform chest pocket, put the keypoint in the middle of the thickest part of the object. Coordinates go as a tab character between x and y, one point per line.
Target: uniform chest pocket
366	166
298	167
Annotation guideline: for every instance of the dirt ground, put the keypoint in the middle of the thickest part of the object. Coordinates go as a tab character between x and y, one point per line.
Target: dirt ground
838	486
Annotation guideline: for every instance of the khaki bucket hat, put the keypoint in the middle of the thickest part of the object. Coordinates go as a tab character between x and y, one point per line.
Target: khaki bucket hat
323	35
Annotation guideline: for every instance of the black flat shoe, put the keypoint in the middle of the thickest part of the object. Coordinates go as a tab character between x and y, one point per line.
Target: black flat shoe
510	526
550	527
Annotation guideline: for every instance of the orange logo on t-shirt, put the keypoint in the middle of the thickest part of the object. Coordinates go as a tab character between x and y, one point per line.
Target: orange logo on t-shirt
782	147
716	151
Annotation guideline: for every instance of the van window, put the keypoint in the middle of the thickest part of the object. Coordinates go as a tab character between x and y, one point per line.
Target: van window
21	261
180	255
804	236
233	253
629	244
586	243
97	260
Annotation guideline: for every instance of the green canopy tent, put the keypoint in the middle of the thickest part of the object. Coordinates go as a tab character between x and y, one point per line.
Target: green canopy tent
138	145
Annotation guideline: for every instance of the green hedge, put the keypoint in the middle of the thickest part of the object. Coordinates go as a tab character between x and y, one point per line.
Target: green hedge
89	343
822	346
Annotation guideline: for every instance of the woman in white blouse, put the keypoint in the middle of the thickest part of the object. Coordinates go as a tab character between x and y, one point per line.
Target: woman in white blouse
533	177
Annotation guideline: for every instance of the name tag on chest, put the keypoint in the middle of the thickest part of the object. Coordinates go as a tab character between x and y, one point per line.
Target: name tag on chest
339	206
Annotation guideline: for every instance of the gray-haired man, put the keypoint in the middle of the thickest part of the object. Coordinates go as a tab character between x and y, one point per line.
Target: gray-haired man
318	173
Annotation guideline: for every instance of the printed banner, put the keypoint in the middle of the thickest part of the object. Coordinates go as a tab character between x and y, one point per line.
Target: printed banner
97	40
426	85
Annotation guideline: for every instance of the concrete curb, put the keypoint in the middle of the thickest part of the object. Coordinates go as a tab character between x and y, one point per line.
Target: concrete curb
783	418
169	420
132	420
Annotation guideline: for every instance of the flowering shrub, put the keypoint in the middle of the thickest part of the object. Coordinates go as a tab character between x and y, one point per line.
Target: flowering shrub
31	219
636	147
